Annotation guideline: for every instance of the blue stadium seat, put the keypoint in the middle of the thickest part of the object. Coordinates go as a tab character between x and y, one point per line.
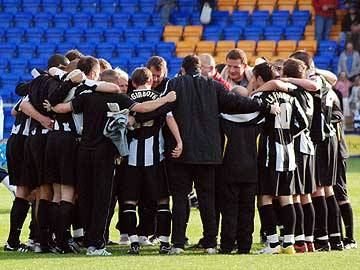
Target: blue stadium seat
63	20
38	63
126	49
102	19
43	19
240	18
121	62
195	18
156	19
10	5
232	32
187	7
133	34
114	34
89	5
45	49
81	19
2	35
31	6
165	49
121	19
147	7
106	50
260	18
23	19
15	34
74	35
110	6
54	35
220	18
136	62
128	6
212	32
174	65
273	33
328	48
19	65
145	49
70	6
180	18
86	48
294	32
95	34
153	33
8	84
52	6
140	19
300	17
4	65
6	19
280	18
322	62
253	33
7	49
26	50
63	47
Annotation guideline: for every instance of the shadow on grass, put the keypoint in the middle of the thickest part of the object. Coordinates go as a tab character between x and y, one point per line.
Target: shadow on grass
116	252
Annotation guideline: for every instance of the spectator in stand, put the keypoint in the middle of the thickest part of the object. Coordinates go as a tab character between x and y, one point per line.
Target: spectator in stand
355	35
208	69
166	7
349	62
351	16
354	98
325	11
343	86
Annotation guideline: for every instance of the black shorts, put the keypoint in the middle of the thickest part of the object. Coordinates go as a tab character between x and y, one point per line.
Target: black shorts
61	158
276	183
305	182
326	162
34	159
15	160
340	189
140	180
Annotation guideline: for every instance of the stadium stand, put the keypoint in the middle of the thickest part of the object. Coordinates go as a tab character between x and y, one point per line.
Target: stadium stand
127	32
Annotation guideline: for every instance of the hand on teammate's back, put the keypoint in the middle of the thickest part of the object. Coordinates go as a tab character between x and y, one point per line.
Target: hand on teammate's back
275	109
171	96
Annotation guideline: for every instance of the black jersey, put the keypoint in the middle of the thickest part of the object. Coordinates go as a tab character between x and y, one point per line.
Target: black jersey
277	137
94	107
146	142
21	125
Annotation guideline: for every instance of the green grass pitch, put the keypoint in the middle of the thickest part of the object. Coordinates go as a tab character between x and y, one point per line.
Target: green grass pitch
149	258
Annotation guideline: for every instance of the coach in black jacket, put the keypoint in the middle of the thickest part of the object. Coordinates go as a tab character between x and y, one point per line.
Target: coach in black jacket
196	111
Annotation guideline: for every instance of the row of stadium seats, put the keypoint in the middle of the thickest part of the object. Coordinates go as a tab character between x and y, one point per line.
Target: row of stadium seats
67	19
89	5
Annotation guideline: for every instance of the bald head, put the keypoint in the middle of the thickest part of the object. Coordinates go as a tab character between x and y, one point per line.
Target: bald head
207	65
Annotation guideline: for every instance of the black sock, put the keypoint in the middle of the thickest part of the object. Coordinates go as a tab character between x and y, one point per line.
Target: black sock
43	220
288	219
32	225
277	209
130	219
347	217
299	226
163	222
53	217
269	221
333	219
64	215
18	214
321	219
309	222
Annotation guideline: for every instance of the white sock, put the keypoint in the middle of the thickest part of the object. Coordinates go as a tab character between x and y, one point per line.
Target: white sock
11	188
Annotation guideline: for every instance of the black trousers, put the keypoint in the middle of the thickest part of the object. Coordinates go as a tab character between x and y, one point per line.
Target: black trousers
181	177
237	208
96	171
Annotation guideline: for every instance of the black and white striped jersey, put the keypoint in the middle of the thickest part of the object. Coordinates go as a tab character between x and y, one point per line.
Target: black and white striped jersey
21	124
146	142
276	146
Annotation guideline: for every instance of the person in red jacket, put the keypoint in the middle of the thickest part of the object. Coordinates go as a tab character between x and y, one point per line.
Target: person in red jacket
325	11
